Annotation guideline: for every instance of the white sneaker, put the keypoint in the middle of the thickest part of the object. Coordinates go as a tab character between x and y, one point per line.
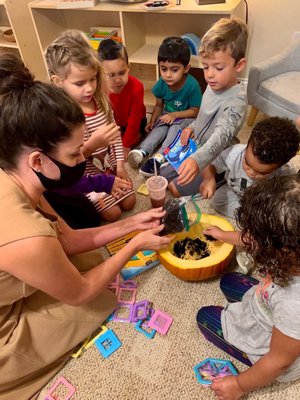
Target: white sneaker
135	158
244	261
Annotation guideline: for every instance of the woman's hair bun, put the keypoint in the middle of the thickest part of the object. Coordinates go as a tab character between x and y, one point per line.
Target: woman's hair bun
13	74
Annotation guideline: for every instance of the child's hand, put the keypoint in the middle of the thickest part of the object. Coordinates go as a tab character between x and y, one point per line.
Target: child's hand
208	188
227	388
119	187
123	174
215	232
105	135
185	135
149	127
126	150
187	171
168	118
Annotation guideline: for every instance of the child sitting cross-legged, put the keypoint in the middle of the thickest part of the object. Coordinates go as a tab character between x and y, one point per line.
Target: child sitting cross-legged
272	143
260	325
178	98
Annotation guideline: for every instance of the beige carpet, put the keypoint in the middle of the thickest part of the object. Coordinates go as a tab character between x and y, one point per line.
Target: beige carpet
161	368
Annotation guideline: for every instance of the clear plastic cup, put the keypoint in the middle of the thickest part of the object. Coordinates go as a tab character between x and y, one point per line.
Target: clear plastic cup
157	187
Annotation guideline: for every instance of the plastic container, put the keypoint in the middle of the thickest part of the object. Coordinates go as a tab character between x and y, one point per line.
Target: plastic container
157	187
181	214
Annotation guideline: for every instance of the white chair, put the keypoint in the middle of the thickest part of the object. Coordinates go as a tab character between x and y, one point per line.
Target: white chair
274	84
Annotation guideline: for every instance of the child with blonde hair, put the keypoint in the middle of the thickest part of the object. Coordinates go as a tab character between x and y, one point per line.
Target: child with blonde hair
74	67
260	325
223	107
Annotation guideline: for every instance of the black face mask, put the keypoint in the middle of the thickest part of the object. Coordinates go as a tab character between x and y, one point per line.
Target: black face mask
68	175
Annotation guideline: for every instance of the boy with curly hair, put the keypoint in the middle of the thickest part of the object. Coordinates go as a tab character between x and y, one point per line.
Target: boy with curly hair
272	143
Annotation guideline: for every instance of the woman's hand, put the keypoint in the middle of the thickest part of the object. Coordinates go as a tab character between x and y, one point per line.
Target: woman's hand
120	186
147	220
227	388
150	240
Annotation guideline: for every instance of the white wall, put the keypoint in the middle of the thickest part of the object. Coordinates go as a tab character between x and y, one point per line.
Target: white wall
271	25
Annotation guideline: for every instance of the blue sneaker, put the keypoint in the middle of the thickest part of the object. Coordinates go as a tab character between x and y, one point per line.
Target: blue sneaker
148	168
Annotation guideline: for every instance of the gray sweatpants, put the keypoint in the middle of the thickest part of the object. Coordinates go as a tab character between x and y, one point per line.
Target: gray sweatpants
225	201
163	136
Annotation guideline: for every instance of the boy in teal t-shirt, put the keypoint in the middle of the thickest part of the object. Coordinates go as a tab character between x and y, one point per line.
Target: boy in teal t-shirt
178	97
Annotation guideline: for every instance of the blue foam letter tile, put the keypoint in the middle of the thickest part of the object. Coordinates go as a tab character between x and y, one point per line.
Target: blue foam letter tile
108	343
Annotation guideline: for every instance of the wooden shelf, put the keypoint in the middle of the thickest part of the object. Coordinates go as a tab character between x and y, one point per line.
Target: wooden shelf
142	31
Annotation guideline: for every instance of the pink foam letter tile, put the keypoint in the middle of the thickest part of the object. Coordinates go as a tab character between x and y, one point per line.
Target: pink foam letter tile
60	381
160	321
131	291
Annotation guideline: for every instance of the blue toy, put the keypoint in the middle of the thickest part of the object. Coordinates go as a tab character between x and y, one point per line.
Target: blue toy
108	343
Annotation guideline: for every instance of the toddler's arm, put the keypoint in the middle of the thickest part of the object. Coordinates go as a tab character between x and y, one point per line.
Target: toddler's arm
284	350
227	127
157	111
208	185
191	112
90	183
232	237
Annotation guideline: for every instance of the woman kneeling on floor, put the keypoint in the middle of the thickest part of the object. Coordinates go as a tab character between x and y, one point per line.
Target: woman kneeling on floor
52	297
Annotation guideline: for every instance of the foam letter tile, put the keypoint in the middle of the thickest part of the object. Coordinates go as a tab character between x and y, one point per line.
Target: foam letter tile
128	290
160	321
211	368
108	343
61	381
140	310
141	324
117	314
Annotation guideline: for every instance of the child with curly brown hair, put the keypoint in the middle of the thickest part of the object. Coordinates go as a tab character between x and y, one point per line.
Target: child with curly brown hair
272	143
260	326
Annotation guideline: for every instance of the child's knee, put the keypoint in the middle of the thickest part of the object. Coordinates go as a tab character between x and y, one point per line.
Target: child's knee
112	214
173	189
128	203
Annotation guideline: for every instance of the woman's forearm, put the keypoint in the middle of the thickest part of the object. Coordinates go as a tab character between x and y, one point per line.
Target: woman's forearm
99	277
81	240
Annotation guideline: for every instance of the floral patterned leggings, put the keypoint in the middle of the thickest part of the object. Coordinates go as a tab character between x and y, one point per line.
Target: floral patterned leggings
234	286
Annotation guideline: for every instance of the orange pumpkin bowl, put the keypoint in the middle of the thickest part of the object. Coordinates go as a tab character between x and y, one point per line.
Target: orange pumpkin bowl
208	267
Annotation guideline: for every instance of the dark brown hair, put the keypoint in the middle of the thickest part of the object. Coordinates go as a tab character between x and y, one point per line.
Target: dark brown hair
269	217
274	140
32	114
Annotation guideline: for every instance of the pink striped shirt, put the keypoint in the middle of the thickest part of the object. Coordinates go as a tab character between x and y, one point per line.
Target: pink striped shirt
108	156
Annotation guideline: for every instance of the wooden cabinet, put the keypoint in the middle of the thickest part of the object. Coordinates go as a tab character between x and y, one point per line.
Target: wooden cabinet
4	25
15	14
142	31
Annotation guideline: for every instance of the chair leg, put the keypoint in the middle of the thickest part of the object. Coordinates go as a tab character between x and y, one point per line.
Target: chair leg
252	116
